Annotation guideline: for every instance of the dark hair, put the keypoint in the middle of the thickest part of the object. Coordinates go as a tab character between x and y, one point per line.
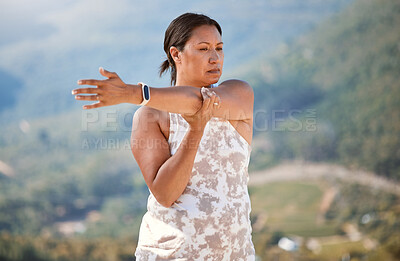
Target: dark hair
178	33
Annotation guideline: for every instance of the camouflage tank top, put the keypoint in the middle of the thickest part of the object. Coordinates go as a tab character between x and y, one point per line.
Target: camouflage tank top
211	219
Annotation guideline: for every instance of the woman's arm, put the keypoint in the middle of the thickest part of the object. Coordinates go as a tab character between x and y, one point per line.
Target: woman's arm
112	91
165	175
177	99
236	96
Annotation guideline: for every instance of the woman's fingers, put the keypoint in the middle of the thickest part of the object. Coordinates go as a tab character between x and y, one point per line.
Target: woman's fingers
206	104
217	102
204	92
85	91
87	97
90	82
204	95
108	92
92	106
206	100
108	74
213	101
211	94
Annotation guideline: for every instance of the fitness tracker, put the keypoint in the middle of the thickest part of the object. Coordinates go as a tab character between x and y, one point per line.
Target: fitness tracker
145	93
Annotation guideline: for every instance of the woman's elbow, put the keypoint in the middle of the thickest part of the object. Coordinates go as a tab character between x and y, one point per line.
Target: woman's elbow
162	198
167	204
164	201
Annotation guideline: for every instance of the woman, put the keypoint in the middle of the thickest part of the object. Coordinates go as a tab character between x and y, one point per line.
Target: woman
192	144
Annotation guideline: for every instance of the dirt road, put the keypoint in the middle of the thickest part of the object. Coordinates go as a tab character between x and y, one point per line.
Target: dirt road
298	170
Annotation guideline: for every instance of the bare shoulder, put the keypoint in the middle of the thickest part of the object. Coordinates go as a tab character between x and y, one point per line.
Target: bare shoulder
241	92
150	119
237	100
236	82
238	85
144	112
238	97
145	116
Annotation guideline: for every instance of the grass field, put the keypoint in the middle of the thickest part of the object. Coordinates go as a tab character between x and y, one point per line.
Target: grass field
295	209
291	207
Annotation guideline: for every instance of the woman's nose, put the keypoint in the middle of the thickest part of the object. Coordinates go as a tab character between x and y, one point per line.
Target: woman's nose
214	57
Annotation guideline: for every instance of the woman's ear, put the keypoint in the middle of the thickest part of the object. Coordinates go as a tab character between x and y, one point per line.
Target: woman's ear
175	54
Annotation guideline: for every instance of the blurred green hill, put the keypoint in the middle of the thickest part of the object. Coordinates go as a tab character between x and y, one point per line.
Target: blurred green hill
334	94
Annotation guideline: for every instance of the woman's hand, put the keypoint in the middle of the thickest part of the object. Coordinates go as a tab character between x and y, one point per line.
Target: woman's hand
108	92
198	121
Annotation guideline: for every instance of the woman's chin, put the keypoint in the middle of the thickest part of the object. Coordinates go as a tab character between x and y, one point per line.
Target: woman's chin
208	83
211	79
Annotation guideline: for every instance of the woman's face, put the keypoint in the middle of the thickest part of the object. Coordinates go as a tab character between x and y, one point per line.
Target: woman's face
202	58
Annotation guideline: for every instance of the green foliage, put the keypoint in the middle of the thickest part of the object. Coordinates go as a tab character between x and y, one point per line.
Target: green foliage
376	212
347	71
70	181
17	248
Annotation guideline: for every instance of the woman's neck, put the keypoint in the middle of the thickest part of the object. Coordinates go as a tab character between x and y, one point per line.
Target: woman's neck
183	81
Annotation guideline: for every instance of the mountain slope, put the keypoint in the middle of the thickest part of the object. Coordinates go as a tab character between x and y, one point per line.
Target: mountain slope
347	71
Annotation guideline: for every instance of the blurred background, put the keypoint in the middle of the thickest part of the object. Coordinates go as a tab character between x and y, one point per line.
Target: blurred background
325	162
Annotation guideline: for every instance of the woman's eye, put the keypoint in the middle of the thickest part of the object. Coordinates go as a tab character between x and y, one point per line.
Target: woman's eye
219	49
203	49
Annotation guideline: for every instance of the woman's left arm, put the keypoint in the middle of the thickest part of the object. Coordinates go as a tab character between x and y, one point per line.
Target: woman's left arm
236	97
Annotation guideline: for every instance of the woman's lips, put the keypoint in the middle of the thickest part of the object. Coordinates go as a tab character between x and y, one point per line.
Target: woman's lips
214	71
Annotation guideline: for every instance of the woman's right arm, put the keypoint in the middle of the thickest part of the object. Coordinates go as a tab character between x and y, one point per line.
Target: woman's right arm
166	176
